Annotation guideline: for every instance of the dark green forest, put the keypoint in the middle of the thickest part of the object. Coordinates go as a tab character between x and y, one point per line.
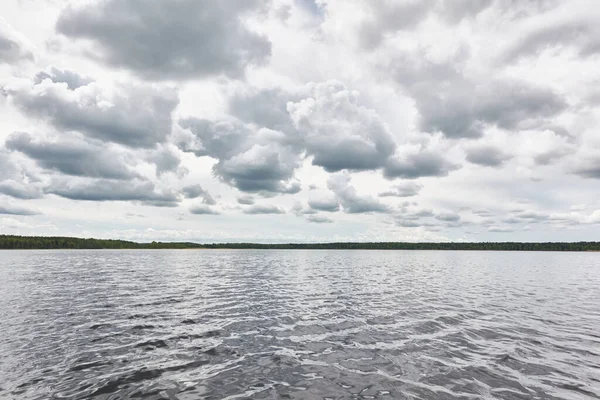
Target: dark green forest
42	242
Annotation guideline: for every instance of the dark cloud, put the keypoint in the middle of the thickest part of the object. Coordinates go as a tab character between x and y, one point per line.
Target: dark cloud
12	46
350	200
246	200
264	209
328	205
195	191
57	75
75	158
203	209
185	39
318	219
104	190
136	116
486	155
416	165
16	210
404	189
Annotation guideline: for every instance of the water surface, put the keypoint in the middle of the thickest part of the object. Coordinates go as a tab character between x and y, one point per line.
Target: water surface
299	324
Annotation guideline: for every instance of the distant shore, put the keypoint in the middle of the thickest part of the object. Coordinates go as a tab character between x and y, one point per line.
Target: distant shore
14	242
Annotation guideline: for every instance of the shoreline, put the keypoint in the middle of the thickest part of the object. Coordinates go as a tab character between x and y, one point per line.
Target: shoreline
15	242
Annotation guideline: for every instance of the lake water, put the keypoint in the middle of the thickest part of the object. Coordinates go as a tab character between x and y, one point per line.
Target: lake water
194	324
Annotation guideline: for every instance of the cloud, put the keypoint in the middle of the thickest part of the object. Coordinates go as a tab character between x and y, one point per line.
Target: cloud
349	199
252	161
416	165
324	204
461	106
448	217
21	190
404	189
186	39
203	209
138	116
166	159
105	190
486	155
318	219
264	209
581	34
15	210
77	158
588	168
14	47
247	200
195	191
57	75
338	131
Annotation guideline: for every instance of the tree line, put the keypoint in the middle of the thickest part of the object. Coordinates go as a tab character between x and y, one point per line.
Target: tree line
58	242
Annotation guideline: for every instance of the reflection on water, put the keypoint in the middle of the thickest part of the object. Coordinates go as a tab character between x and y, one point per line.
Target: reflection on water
182	324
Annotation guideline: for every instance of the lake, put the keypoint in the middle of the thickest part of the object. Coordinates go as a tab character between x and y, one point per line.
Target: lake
299	324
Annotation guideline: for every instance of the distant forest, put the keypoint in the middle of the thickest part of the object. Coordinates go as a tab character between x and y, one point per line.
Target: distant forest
41	242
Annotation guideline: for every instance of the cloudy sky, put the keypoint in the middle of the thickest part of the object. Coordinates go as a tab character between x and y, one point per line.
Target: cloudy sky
301	120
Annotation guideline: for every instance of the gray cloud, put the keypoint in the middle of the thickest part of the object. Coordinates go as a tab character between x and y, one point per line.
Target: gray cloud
57	75
21	190
448	217
166	159
246	200
247	160
486	155
195	191
582	35
326	120
552	155
404	189
588	168
339	132
389	17
321	204
104	190
12	45
462	106
318	219
350	200
422	164
16	210
136	116
75	158
185	39
264	209
203	209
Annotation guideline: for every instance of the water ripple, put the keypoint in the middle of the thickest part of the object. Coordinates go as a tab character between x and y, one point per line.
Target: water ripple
299	325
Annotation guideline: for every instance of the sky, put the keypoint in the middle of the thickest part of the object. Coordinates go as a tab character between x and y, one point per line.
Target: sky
301	120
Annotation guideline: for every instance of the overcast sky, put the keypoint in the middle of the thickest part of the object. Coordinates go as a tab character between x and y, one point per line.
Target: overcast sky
301	120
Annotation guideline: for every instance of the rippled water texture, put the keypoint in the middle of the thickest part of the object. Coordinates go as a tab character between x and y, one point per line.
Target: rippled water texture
194	324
